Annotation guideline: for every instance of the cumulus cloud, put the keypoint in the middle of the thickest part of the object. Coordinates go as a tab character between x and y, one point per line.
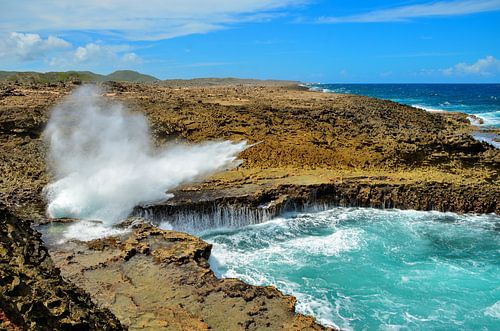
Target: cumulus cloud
87	52
22	47
95	54
131	58
482	67
136	20
430	9
29	46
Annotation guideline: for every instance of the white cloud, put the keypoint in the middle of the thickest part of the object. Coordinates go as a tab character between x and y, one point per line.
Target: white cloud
29	46
136	20
18	47
430	9
131	58
482	67
90	52
95	54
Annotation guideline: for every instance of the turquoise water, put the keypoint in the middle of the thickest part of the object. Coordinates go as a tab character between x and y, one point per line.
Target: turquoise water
367	269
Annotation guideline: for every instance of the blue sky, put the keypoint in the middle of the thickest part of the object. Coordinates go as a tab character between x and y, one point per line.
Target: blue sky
307	40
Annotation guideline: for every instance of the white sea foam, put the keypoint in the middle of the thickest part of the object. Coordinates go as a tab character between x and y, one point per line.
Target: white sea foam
223	257
490	118
489	138
322	309
340	241
285	252
475	120
429	109
281	240
493	310
88	230
104	162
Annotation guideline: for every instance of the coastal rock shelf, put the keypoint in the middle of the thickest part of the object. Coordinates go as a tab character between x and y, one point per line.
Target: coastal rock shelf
155	279
308	151
293	130
192	212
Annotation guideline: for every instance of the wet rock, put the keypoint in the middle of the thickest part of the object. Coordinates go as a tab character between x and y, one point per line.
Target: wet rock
195	210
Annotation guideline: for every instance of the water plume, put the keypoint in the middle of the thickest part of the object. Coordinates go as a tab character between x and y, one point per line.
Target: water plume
104	162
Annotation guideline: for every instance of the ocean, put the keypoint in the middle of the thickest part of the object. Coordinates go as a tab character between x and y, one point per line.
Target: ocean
369	269
481	100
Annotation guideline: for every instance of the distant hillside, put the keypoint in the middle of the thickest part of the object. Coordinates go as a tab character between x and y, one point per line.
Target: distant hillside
226	81
130	76
74	76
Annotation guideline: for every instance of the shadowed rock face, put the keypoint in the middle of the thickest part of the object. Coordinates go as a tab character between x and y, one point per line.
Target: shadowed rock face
33	294
154	279
199	210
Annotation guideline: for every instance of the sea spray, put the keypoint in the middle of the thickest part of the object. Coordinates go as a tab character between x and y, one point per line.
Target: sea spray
104	162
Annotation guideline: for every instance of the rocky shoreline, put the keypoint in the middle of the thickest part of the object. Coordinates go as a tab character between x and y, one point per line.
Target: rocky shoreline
196	210
310	151
156	279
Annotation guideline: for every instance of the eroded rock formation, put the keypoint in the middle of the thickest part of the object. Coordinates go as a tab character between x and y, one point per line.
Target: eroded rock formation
155	279
33	295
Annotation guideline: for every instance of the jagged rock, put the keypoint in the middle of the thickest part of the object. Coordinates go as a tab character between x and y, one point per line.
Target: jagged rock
33	295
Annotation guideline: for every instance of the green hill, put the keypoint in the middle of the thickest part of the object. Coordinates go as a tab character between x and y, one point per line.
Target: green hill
74	76
130	76
228	81
55	77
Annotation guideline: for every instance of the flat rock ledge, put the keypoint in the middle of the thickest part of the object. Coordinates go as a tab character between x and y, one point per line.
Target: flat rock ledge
156	279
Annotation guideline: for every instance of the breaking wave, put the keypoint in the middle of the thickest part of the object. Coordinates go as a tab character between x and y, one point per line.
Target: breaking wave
368	269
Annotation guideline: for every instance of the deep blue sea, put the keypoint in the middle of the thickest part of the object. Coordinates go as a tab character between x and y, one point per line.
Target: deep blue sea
482	100
368	269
